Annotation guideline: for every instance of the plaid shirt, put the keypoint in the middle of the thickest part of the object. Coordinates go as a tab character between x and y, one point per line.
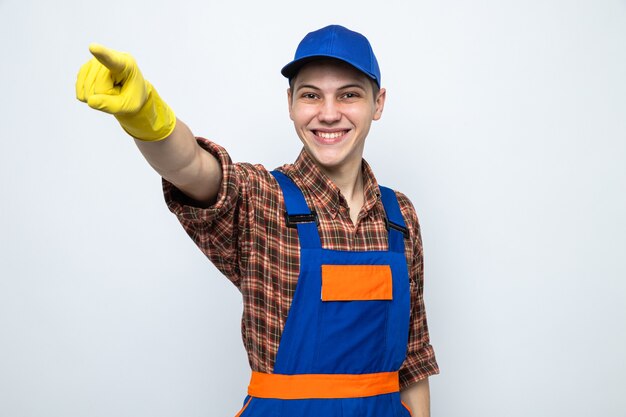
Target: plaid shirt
245	236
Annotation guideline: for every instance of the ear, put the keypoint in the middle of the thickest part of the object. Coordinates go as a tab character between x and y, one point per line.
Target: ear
289	102
380	103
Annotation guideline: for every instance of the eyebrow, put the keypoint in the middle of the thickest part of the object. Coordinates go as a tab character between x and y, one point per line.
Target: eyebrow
343	87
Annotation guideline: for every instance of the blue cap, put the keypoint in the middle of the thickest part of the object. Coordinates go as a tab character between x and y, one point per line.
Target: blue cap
336	42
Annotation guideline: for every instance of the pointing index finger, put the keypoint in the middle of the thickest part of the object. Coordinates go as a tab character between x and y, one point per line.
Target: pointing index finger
111	59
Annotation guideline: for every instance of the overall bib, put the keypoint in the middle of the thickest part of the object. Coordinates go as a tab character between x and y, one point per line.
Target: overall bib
346	334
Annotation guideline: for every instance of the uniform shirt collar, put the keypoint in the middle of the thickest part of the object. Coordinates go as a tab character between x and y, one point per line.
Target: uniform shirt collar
306	173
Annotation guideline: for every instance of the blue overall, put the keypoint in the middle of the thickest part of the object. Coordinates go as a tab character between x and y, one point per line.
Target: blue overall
340	337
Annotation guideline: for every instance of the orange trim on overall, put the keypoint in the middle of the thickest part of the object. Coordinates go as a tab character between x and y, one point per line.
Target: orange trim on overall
244	407
294	387
356	282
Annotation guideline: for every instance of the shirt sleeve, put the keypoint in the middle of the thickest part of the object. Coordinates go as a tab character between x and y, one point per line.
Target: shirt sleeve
217	230
420	361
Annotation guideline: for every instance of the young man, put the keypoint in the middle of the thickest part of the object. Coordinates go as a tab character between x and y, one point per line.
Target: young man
329	264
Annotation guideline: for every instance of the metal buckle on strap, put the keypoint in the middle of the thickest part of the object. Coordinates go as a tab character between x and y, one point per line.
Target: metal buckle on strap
391	225
295	219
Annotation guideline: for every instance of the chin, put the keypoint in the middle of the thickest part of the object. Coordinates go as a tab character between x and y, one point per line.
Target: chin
326	160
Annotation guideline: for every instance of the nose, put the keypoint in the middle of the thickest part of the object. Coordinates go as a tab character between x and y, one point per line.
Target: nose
329	112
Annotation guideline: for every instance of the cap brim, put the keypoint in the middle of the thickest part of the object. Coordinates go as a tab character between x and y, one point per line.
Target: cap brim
292	68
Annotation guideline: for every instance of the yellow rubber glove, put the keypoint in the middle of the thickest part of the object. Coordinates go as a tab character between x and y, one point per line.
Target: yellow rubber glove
111	82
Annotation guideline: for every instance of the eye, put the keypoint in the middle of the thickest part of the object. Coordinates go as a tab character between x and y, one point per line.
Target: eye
350	94
309	96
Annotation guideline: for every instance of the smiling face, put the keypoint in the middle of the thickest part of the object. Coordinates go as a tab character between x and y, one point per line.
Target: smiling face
332	106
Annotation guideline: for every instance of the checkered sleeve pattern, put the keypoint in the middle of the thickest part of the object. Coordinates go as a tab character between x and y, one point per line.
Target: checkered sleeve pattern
420	361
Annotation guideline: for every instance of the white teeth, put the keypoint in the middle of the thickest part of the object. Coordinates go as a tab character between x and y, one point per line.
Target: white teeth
329	135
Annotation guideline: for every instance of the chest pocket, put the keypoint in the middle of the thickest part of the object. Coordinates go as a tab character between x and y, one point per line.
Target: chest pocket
356	282
353	318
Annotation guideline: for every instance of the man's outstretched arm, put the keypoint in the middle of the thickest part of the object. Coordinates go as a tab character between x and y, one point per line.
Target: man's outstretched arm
180	160
111	82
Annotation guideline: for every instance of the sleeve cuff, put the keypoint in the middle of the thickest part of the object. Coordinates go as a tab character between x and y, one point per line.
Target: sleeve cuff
417	366
186	209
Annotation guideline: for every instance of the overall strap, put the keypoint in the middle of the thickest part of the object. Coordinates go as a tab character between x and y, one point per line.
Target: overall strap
395	223
298	214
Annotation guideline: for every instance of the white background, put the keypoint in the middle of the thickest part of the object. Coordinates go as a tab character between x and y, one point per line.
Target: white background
505	124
